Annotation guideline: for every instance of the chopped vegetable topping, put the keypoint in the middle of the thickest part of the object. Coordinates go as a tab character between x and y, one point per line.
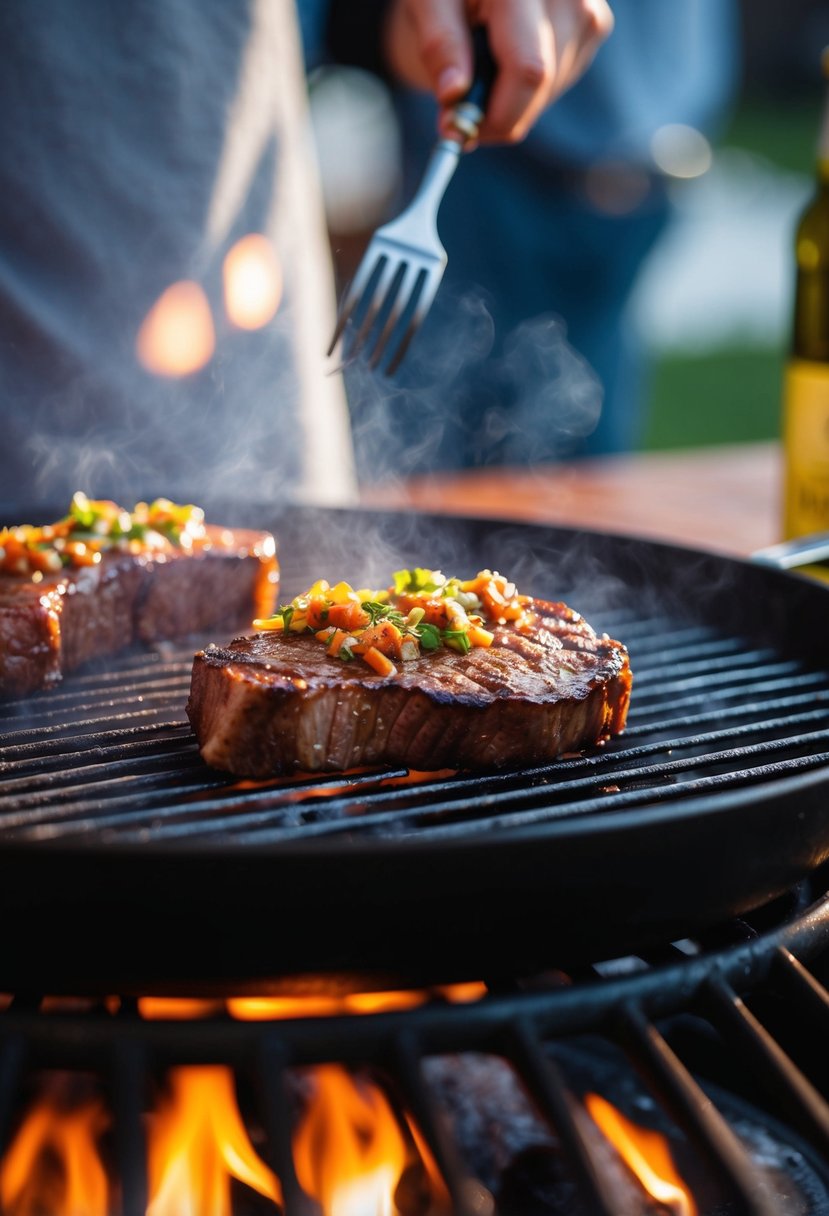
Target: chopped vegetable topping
93	526
421	612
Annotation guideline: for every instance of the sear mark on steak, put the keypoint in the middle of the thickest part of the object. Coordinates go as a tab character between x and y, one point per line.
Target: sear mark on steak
268	705
53	626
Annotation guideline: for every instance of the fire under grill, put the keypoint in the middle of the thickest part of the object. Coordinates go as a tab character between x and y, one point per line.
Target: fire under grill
714	1046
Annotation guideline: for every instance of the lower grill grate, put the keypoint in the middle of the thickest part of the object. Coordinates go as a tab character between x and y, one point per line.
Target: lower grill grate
639	1007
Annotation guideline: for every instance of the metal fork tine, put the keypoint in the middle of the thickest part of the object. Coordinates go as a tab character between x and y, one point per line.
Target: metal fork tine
402	295
380	293
361	279
428	292
410	245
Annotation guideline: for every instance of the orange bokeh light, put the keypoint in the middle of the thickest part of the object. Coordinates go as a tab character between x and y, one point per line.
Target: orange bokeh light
177	336
252	282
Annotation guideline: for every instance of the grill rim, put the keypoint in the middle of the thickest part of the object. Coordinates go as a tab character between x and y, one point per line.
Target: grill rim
797	840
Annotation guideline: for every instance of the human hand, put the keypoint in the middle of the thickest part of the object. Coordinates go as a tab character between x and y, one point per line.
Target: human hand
540	47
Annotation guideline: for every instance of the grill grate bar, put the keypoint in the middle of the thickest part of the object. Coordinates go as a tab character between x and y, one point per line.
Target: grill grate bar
718	696
108	776
78	766
738	667
692	1111
785	1083
77	700
76	747
80	690
12	1059
658	635
102	721
755	714
801	985
129	1074
739	683
467	1194
271	1084
542	1077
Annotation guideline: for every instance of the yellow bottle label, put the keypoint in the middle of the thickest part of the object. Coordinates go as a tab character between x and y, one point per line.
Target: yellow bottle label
806	448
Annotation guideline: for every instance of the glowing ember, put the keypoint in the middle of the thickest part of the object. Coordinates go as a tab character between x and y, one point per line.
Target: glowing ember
252	1009
252	282
197	1143
349	1149
177	336
646	1154
256	1009
53	1164
306	1005
177	1009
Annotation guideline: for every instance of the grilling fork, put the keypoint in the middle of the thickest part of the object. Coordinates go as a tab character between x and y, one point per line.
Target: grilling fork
400	272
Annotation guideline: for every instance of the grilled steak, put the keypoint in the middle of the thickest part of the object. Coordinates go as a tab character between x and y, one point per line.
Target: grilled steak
51	626
271	704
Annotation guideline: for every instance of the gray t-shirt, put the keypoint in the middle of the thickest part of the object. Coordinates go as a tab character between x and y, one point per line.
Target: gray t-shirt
138	144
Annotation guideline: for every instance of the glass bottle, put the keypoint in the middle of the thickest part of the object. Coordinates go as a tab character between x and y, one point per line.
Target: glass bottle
806	391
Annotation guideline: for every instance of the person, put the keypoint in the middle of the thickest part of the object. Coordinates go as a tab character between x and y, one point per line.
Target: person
147	346
532	352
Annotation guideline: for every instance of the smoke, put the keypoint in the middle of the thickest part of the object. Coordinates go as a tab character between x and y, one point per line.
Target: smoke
120	432
463	400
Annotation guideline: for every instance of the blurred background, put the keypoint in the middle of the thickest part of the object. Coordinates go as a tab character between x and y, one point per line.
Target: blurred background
722	330
714	300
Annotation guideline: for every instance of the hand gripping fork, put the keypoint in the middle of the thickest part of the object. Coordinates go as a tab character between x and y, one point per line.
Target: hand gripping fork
400	272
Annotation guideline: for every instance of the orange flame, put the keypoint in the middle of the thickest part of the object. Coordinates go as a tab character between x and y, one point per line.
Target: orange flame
349	1149
646	1154
53	1164
177	336
197	1143
252	282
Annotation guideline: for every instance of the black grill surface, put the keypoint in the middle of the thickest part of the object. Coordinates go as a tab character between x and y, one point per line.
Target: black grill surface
110	756
713	800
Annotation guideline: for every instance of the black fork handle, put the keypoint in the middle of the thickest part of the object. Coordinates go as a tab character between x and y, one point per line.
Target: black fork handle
469	111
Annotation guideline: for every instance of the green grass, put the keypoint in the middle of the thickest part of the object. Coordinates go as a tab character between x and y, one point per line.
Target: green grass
733	395
784	134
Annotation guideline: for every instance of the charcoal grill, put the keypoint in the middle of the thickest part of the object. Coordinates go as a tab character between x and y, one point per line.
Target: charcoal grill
124	860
